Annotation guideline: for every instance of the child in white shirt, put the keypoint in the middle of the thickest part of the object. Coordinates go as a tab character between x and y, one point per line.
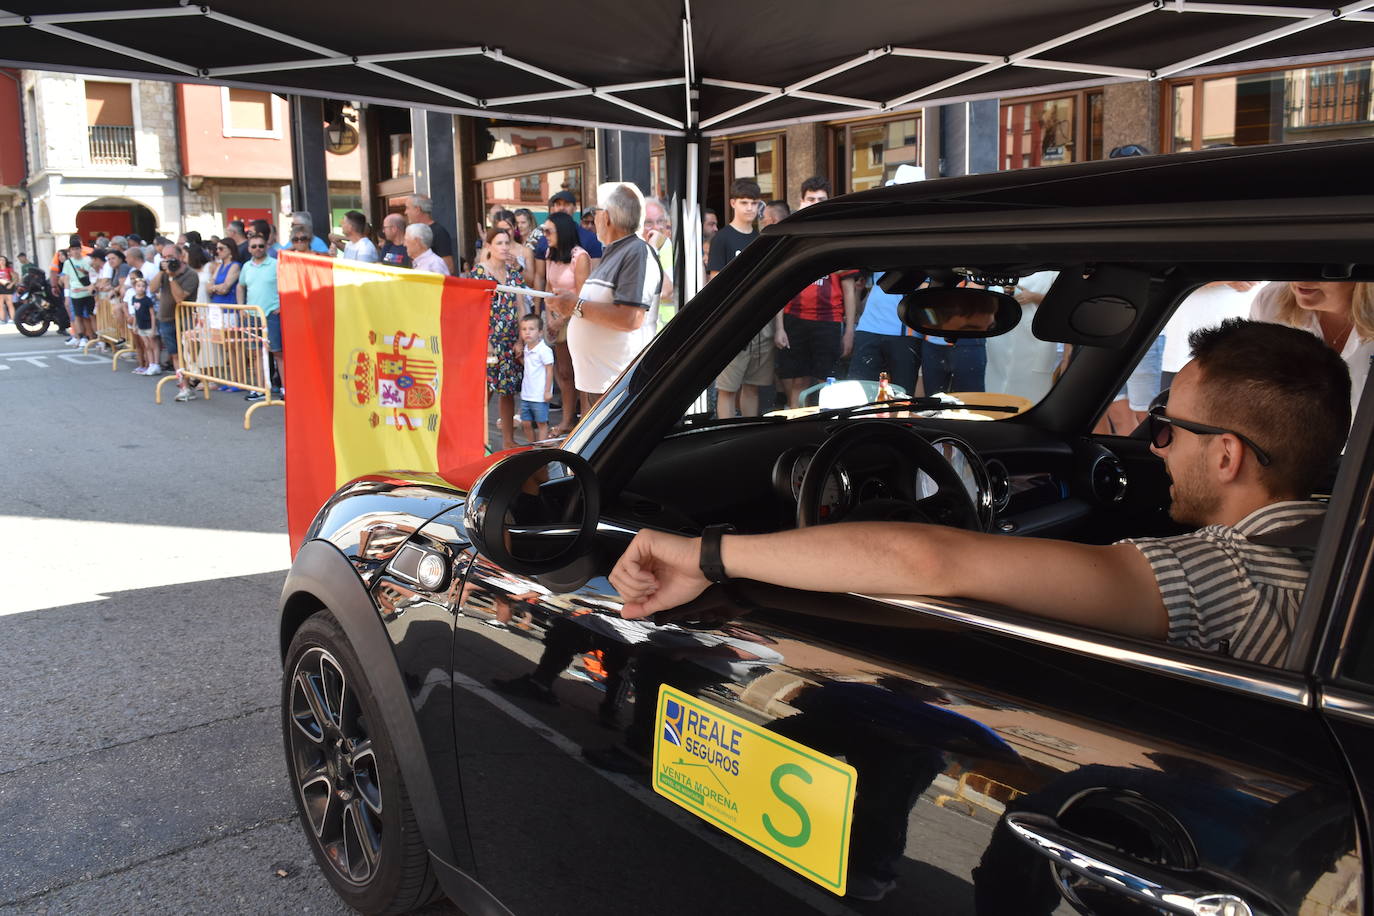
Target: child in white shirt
537	387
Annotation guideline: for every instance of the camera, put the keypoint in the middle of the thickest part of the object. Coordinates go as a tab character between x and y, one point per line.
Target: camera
172	264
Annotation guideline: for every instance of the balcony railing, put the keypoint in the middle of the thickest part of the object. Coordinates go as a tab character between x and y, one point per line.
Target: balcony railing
111	145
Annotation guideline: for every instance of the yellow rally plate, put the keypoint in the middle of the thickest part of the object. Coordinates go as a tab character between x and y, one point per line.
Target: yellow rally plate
791	803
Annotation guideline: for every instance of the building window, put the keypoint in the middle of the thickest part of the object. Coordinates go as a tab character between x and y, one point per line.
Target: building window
250	113
531	191
757	158
503	139
1040	132
400	155
1274	106
867	153
110	123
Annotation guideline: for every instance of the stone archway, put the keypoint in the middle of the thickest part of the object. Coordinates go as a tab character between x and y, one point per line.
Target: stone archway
113	216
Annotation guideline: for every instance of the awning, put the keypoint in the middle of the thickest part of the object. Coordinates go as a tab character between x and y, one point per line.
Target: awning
709	66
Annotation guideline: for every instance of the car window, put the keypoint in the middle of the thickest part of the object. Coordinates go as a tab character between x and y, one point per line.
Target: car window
807	357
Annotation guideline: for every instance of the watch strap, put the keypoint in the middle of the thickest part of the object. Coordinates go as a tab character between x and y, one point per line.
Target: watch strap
711	565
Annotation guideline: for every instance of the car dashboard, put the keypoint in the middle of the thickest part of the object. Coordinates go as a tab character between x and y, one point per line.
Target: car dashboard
1022	480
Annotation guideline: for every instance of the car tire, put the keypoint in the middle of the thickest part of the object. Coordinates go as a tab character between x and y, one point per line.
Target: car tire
350	796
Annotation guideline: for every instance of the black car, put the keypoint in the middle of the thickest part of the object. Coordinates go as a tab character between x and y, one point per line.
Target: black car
770	750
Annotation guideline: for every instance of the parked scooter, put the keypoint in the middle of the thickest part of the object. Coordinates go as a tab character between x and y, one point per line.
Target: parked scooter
36	307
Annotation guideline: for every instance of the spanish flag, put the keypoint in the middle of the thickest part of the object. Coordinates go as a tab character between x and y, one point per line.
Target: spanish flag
385	369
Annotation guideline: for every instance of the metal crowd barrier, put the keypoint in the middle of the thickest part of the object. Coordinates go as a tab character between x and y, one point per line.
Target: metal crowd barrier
982	791
224	345
113	327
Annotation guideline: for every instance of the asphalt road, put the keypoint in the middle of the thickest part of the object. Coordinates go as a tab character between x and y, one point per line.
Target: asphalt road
140	761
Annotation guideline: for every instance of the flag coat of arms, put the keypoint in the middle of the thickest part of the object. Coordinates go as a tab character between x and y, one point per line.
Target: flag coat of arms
386	369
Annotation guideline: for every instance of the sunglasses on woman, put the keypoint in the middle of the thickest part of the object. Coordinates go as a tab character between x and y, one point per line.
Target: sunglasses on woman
1161	427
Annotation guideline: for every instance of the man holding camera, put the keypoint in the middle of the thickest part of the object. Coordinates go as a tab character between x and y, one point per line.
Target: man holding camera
173	283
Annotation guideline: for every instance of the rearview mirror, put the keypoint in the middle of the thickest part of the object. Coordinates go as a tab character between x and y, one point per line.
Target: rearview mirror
535	512
955	312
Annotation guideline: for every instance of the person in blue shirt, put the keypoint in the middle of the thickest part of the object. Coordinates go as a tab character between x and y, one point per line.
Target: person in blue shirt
301	221
883	344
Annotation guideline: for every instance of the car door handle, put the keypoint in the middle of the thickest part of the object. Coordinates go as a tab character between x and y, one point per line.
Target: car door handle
1106	867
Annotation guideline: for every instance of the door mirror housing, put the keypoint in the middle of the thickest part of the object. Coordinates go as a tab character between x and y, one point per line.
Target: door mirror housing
534	512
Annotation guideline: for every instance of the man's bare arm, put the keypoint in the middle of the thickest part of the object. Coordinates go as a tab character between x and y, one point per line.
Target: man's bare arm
1111	587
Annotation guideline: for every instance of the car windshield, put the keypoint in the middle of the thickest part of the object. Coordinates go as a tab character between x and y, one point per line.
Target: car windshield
804	361
840	346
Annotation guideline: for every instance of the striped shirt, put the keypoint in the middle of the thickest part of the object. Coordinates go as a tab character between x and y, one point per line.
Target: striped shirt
1227	594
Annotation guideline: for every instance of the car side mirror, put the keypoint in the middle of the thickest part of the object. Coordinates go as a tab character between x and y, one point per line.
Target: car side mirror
534	512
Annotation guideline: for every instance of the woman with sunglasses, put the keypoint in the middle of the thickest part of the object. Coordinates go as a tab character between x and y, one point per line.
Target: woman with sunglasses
225	279
566	268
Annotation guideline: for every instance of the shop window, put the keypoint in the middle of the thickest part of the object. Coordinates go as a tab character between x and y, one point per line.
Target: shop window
250	113
1039	132
1275	106
868	153
757	158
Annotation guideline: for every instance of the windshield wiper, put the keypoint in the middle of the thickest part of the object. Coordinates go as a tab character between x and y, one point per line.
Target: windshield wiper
929	403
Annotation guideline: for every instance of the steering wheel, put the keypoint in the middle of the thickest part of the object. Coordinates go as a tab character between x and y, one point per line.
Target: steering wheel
951	504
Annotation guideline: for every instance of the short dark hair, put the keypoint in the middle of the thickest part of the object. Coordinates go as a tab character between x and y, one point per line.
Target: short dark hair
263	228
744	187
532	316
236	225
779	205
1282	387
358	220
816	183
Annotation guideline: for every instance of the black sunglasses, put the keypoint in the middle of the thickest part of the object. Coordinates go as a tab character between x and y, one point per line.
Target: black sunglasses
1162	432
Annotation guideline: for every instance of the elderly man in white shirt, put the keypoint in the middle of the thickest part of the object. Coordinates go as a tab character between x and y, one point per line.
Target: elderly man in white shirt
418	239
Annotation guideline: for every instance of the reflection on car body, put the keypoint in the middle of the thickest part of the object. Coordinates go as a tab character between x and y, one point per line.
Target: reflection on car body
1004	764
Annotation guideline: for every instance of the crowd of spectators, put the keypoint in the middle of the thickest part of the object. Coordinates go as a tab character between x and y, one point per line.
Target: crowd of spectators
605	274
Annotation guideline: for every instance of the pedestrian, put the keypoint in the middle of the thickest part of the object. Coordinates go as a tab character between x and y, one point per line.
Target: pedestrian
816	327
194	253
420	209
614	301
504	365
174	283
258	286
264	230
355	243
658	230
302	221
419	241
6	291
225	279
235	234
79	281
564	202
567	266
144	308
738	384
536	387
525	227
393	252
299	242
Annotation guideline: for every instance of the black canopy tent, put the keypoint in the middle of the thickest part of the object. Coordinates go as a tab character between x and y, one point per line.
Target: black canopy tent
688	70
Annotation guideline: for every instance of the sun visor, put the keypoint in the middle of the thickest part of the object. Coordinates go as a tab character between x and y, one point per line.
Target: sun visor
1096	305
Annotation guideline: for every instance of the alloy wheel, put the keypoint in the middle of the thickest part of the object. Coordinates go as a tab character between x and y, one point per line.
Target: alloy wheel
334	766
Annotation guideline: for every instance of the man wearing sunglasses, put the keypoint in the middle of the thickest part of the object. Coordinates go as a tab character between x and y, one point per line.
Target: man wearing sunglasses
1254	422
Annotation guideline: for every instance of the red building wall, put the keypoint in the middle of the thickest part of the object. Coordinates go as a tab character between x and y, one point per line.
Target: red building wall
12	170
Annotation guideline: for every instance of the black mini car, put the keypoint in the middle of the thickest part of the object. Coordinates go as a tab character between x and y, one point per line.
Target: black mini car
466	713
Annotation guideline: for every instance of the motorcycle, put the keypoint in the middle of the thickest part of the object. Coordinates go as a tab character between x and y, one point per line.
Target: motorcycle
36	308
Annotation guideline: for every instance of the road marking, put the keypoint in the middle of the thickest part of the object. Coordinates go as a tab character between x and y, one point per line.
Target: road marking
164	555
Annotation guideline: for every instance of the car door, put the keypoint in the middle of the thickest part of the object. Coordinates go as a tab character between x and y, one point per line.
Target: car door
999	764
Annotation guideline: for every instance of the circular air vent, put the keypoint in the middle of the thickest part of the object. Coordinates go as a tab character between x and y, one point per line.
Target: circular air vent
1108	480
999	485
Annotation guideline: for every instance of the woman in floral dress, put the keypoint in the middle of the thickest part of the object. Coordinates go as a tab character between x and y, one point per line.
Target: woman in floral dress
505	362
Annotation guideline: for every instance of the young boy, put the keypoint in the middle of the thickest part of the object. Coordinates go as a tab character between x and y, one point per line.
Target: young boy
537	387
148	342
752	368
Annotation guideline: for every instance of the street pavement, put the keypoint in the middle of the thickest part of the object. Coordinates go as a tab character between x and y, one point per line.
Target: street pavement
140	756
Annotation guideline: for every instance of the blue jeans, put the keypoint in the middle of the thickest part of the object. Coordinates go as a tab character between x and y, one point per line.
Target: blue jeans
1145	382
899	356
957	368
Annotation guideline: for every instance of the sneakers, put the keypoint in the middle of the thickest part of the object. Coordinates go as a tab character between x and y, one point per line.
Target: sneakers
254	396
185	394
140	370
154	369
73	341
527	687
867	887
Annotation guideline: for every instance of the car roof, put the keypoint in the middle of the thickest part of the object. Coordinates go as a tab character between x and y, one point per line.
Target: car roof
1296	172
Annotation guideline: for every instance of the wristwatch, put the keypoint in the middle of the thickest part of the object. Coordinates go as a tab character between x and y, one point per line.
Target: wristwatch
577	309
711	565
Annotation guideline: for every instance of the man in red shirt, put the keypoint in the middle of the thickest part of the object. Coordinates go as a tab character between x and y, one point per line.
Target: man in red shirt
817	327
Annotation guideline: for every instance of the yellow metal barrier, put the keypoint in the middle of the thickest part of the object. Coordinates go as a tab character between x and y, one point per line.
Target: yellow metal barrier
224	345
113	327
982	791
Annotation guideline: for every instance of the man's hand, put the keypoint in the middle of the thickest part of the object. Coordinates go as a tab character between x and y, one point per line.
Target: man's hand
847	343
658	571
561	304
780	339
